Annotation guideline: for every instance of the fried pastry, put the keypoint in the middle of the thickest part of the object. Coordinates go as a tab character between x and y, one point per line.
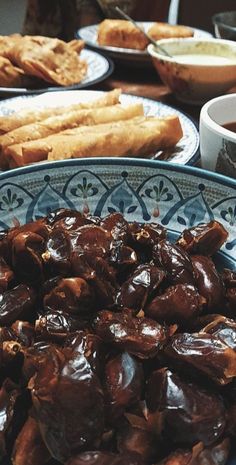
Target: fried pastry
67	120
139	136
164	31
7	44
10	75
120	33
28	116
50	59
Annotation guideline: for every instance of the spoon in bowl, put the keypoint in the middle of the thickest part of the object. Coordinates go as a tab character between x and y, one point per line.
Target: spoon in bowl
150	39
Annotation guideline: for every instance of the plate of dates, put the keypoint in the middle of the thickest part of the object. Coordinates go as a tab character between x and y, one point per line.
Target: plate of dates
117	314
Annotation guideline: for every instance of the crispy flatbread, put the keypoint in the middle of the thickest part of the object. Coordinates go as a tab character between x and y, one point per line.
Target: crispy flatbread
10	75
139	136
120	33
69	119
161	30
7	44
50	59
28	116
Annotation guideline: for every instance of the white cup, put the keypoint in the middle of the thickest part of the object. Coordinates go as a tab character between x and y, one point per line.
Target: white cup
217	144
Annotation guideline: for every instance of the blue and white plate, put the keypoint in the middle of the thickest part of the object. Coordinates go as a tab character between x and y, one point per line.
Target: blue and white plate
176	196
99	68
128	55
185	152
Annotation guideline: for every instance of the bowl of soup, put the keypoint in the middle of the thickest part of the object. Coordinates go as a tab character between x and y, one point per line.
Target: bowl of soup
218	135
196	70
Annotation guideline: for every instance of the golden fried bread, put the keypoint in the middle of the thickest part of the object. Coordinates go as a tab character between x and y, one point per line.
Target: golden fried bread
50	59
7	43
120	33
10	75
164	31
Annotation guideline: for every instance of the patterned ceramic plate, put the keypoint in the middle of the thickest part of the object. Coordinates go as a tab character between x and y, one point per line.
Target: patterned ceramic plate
99	68
185	152
129	55
144	190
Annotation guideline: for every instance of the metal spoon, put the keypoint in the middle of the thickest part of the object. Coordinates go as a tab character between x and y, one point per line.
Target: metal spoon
150	39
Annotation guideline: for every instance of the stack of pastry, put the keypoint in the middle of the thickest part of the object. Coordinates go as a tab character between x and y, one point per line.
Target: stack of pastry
98	128
29	60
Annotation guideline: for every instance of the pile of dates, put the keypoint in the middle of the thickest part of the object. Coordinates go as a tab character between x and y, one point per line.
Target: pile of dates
117	346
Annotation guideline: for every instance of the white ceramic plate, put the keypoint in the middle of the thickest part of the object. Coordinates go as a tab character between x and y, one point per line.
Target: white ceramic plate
185	152
99	68
128	55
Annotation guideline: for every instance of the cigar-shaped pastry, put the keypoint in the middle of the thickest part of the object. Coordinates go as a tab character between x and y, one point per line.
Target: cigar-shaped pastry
68	120
165	31
139	136
27	116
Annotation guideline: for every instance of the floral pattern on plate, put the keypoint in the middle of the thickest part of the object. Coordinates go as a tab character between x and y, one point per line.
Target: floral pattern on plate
178	197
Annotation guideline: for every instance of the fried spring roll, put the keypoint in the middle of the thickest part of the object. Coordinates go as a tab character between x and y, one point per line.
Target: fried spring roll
26	116
164	30
67	120
139	136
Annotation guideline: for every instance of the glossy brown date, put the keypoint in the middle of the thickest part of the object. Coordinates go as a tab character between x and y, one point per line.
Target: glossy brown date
29	446
178	304
184	412
17	303
123	383
140	286
6	275
208	282
103	458
70	295
199	455
8	396
141	337
175	261
64	390
205	239
55	326
223	328
208	354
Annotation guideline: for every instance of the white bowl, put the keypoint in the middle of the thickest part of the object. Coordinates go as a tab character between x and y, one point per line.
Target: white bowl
217	144
210	69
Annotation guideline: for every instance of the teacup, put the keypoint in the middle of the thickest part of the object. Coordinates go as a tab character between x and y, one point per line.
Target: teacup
217	143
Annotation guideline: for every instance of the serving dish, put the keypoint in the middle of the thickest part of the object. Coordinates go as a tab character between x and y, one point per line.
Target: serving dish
99	68
217	141
185	152
198	69
146	191
128	56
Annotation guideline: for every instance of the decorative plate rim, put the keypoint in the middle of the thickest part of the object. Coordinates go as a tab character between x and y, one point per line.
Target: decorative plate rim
195	171
82	85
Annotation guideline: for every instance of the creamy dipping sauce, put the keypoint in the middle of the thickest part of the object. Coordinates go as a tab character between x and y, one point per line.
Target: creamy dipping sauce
203	59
